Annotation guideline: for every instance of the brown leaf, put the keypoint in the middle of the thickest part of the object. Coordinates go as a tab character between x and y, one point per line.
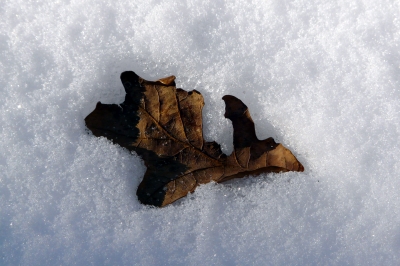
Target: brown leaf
164	126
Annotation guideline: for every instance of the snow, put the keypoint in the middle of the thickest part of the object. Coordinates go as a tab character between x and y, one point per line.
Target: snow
322	77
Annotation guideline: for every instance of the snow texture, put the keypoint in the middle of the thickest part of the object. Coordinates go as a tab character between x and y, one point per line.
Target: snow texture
320	76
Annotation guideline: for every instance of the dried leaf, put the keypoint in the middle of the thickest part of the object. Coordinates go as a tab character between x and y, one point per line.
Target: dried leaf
164	126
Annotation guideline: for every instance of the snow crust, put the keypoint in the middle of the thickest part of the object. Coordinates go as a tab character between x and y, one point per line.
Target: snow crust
320	76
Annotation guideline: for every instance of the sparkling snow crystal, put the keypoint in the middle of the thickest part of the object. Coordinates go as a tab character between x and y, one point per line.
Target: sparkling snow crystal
321	76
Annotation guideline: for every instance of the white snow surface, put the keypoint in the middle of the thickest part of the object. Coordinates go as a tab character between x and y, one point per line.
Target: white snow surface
320	76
